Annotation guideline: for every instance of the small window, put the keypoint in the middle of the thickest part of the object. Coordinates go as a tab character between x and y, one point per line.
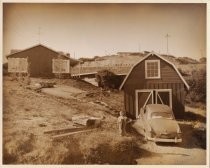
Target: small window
152	69
60	66
19	65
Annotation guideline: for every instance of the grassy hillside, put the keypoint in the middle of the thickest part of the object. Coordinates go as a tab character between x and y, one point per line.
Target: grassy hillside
112	62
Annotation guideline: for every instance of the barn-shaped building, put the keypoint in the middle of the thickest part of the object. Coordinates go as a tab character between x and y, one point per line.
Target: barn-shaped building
40	61
154	80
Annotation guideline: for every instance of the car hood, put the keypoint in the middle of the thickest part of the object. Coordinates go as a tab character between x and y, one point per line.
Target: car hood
164	126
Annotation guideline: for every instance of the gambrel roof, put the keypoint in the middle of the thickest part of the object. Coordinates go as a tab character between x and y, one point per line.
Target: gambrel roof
152	53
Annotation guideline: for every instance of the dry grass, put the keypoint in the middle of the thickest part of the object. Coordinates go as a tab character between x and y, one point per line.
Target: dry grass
27	114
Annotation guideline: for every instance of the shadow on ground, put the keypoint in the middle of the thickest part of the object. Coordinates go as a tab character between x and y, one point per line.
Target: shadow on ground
190	116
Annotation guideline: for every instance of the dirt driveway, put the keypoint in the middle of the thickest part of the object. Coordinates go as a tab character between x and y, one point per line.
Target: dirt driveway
192	149
63	91
188	152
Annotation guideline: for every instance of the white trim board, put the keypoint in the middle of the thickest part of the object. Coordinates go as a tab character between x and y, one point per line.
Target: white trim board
150	91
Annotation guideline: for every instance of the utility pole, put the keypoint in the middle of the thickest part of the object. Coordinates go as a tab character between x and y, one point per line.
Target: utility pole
107	53
79	68
201	53
167	36
139	47
60	67
39	34
69	55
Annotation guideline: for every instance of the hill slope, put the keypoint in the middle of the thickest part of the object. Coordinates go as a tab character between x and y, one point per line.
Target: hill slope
125	60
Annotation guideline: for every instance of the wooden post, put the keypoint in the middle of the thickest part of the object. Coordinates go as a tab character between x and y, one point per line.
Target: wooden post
79	68
59	64
70	64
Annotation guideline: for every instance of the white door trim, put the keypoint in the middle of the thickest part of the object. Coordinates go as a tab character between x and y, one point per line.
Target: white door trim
151	94
165	90
137	98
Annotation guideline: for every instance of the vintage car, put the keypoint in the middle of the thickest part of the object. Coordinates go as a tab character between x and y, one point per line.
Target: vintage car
159	124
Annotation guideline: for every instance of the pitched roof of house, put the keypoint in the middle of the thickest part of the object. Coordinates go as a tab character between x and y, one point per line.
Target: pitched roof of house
73	61
149	54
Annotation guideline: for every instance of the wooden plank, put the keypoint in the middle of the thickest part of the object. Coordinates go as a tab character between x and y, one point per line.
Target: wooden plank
148	85
182	93
158	85
127	102
131	104
179	97
165	86
64	130
155	86
71	133
124	101
134	107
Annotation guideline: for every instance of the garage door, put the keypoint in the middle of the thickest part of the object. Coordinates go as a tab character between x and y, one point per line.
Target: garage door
163	97
143	97
155	96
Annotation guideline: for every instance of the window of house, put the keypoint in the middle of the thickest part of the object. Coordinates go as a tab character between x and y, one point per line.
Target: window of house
152	69
60	66
19	65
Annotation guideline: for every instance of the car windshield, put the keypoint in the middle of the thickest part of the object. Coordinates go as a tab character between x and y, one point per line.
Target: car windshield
162	115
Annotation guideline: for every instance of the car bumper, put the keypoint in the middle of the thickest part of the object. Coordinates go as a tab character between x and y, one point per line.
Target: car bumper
175	140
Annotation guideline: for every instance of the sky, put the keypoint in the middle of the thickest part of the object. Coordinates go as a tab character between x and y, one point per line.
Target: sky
88	30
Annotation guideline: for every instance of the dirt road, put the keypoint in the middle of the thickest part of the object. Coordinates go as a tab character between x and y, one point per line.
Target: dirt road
27	114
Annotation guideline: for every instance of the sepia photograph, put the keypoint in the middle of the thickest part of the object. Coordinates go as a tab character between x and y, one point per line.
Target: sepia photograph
104	84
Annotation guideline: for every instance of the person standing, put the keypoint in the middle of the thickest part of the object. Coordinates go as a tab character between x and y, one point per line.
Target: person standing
122	119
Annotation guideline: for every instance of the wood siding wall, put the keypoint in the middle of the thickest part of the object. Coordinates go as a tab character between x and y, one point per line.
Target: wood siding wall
169	80
39	60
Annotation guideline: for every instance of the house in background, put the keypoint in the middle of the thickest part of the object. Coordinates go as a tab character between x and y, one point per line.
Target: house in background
40	61
154	80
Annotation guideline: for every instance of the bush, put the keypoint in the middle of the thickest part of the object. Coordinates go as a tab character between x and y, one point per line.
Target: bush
108	80
197	85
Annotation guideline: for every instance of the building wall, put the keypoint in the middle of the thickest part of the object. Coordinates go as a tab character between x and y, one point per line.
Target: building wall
169	80
39	60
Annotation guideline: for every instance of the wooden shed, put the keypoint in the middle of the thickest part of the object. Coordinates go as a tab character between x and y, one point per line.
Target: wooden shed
154	80
39	61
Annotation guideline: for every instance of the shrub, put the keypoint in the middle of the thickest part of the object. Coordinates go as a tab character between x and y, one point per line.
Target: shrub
108	80
197	85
